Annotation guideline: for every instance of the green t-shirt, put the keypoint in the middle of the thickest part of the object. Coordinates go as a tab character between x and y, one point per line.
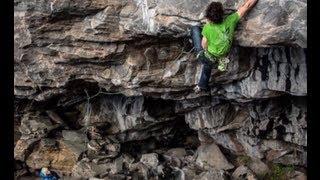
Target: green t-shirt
220	36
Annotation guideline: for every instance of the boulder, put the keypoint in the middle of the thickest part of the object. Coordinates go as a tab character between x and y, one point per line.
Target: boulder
210	156
75	141
297	175
88	170
34	125
150	159
60	159
74	136
243	172
23	148
212	174
258	167
176	152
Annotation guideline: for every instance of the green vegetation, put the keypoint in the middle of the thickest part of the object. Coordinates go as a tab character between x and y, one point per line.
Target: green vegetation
278	172
244	160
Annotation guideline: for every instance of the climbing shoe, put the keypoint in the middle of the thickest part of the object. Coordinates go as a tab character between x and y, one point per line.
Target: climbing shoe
198	89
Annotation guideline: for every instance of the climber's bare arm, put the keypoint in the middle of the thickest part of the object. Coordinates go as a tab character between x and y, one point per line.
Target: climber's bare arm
204	43
248	4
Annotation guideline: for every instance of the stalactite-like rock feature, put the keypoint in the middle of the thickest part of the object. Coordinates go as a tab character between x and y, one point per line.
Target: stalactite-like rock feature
104	89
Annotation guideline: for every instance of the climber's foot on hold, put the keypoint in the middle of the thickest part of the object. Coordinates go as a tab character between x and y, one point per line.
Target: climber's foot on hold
198	89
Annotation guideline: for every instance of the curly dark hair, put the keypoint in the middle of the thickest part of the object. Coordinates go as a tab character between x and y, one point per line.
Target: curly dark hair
214	12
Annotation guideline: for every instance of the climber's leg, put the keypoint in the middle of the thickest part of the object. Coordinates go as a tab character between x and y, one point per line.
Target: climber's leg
196	38
206	64
205	73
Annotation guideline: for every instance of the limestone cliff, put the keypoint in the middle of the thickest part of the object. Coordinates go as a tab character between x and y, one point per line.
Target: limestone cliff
104	89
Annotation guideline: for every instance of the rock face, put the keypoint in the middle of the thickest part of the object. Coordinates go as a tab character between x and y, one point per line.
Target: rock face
125	46
211	156
104	90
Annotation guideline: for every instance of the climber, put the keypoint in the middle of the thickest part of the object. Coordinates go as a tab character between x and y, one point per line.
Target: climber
213	48
45	174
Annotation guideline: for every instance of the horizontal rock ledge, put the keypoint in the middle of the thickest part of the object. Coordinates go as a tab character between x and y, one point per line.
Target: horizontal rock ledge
270	22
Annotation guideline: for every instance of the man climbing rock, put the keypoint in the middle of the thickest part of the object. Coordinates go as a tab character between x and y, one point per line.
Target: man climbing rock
217	36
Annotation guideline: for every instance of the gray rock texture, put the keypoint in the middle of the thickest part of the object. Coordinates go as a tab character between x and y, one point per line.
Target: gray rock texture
119	44
103	90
